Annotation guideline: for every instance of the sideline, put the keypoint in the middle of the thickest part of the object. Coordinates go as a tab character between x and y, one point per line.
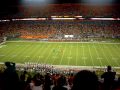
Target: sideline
64	42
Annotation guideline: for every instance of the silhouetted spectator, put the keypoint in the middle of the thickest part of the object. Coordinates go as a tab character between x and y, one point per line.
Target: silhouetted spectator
108	77
85	80
70	80
61	82
10	77
117	84
48	82
22	81
36	83
1	83
28	81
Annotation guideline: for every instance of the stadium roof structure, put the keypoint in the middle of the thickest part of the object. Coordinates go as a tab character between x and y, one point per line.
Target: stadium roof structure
17	9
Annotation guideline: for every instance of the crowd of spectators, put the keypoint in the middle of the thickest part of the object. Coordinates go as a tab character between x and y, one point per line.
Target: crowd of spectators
10	79
56	29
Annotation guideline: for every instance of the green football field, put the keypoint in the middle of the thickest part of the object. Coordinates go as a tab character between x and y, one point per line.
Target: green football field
76	54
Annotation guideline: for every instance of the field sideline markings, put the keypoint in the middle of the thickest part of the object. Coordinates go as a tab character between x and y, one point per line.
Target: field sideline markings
19	53
111	55
101	44
117	49
12	54
62	55
91	55
45	62
32	52
56	46
104	54
39	52
22	54
76	54
64	42
11	58
70	55
49	54
2	43
83	55
98	55
44	51
8	52
1	46
114	58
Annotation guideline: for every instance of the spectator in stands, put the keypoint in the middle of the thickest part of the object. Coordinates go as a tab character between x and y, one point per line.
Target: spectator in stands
28	82
1	84
108	77
10	77
36	83
61	83
85	80
117	84
47	82
70	80
22	81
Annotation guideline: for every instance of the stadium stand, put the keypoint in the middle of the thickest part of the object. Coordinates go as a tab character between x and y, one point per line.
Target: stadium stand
34	76
12	78
57	29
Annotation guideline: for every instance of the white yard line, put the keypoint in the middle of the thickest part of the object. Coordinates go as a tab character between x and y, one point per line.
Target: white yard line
41	47
48	54
44	51
98	55
55	54
70	55
18	49
104	54
117	56
111	55
117	53
64	42
62	55
8	53
76	54
83	57
2	43
91	55
23	53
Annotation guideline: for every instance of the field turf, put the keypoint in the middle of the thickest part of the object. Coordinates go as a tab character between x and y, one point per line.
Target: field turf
76	54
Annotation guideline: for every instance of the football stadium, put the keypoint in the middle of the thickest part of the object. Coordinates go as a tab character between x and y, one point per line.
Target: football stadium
49	42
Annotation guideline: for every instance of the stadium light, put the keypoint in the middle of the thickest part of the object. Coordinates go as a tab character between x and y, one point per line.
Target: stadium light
103	19
36	2
98	2
63	18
